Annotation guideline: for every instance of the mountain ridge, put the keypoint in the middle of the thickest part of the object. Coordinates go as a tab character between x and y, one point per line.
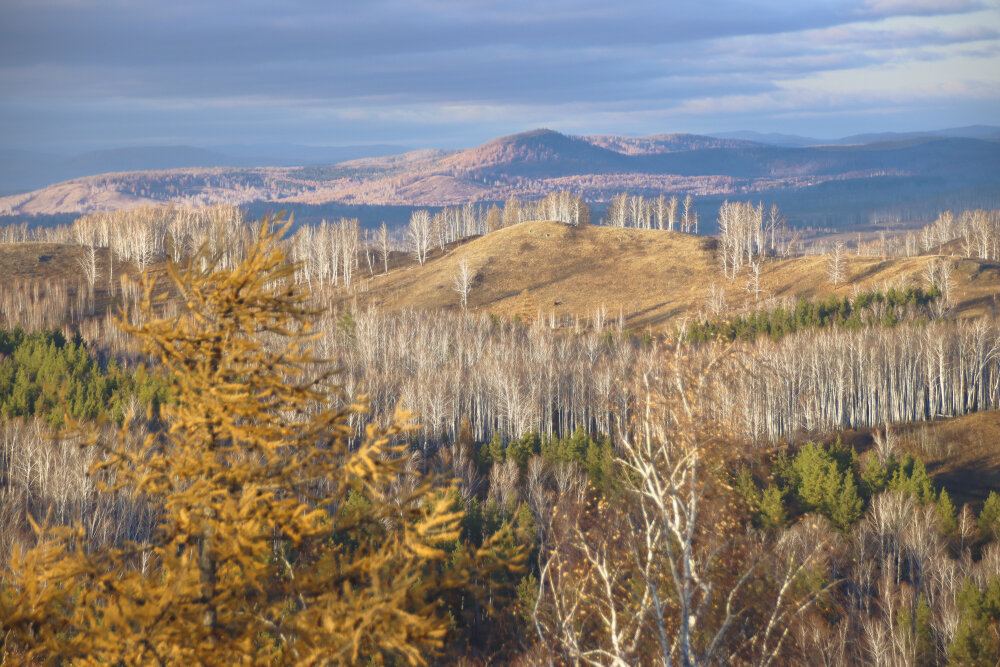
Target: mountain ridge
932	172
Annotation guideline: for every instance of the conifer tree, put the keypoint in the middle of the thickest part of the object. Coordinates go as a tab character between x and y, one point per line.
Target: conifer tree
280	541
946	512
989	517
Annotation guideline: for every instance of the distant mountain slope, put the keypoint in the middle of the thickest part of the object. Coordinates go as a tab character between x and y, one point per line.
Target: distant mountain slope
21	170
988	132
542	153
772	138
27	170
851	183
549	154
664	143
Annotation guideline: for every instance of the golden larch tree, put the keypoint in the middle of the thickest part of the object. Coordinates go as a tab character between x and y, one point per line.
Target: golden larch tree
281	539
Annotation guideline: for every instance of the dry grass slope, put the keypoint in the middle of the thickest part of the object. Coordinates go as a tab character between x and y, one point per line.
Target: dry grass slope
40	261
655	278
961	453
550	266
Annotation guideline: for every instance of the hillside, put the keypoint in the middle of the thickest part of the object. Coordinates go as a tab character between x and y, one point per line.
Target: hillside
961	453
655	278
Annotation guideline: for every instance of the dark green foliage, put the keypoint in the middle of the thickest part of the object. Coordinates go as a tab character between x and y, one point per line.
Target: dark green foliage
989	517
600	465
947	513
772	514
767	506
917	626
346	325
906	474
527	595
491	453
493	630
595	455
42	374
822	479
911	477
831	481
573	448
747	487
828	312
524	448
525	529
976	639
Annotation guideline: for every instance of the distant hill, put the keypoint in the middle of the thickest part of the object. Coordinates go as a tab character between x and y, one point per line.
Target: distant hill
833	185
656	279
290	155
26	170
772	138
540	153
664	143
988	132
23	170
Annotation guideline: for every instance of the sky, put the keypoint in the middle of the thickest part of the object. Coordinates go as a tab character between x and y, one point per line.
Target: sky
87	74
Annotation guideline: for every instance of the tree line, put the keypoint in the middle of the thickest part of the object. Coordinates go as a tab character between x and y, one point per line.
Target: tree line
47	376
865	309
512	378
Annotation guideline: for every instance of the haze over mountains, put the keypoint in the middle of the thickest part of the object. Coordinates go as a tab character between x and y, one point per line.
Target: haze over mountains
849	182
778	139
22	170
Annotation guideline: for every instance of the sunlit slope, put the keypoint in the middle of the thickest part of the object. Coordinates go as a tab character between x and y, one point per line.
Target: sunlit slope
653	277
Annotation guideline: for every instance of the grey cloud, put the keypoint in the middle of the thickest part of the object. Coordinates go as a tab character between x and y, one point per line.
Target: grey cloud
917	7
254	62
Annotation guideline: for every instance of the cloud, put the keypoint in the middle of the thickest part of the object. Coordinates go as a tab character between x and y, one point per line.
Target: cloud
391	69
918	7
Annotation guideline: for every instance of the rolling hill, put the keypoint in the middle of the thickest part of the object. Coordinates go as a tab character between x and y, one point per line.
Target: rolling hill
654	278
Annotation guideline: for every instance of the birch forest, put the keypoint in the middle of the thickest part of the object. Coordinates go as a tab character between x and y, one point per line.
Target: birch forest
209	430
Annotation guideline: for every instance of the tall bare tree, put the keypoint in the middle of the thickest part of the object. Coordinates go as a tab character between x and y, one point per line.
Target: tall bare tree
419	233
462	281
835	261
383	245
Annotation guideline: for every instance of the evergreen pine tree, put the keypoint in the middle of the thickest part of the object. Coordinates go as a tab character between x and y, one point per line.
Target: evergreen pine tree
989	517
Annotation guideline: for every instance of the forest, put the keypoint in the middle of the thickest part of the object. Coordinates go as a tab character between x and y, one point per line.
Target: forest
215	450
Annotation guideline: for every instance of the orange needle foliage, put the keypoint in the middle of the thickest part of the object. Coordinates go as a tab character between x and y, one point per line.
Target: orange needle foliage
256	558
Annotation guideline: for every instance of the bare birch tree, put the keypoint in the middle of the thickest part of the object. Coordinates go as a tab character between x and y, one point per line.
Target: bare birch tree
835	264
462	281
419	233
88	263
383	245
